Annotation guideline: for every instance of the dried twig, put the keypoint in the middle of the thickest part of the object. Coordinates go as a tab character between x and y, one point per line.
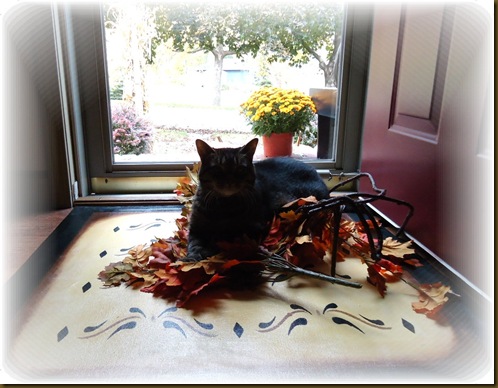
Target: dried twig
276	264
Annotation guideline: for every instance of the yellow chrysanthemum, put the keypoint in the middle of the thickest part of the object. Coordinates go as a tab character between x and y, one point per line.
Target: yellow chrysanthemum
276	110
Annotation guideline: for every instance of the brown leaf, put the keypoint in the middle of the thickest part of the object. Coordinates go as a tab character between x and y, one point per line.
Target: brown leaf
210	265
187	186
432	297
115	273
396	248
148	278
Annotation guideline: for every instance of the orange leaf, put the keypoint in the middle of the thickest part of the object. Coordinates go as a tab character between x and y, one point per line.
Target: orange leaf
170	277
290	216
390	271
432	297
413	262
231	263
376	279
301	201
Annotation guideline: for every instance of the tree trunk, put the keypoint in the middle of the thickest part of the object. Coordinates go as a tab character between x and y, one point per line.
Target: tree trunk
331	67
335	60
137	96
328	75
219	55
135	18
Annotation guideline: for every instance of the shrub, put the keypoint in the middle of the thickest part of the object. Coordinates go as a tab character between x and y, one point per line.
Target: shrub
308	136
131	134
117	91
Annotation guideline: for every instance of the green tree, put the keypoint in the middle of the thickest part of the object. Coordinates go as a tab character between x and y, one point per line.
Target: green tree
299	33
219	28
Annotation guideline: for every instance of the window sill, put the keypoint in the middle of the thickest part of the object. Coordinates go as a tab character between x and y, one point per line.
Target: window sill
127	199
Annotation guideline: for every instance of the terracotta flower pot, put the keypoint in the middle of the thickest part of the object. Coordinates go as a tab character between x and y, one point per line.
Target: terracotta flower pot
277	144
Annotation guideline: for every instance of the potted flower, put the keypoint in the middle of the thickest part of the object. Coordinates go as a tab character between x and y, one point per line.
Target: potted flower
277	114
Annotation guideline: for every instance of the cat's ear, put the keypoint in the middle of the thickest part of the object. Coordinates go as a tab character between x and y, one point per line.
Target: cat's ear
250	148
203	149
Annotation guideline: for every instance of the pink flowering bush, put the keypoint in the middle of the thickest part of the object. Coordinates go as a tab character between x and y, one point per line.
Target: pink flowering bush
131	134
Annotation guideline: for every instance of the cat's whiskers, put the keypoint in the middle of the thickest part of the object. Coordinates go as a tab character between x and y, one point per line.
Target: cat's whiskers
209	198
250	198
247	197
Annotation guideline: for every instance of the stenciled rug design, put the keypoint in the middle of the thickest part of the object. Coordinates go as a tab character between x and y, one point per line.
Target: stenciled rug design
293	331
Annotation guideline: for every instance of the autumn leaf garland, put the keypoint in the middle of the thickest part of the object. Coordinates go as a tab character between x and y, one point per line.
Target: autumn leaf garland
296	241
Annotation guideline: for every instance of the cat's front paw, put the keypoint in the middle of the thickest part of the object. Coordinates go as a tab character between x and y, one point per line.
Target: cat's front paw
197	251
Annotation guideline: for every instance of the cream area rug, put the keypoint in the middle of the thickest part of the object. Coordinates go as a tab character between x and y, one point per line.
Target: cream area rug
75	330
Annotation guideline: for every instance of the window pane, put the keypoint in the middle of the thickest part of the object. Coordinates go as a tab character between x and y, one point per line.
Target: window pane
178	72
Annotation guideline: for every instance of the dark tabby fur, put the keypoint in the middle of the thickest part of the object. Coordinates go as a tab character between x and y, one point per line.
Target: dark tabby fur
237	199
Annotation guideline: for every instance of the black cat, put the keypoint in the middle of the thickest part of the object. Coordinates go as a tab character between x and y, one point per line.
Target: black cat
237	199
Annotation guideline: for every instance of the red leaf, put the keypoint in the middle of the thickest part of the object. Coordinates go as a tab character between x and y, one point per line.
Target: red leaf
390	271
186	294
376	279
307	254
162	289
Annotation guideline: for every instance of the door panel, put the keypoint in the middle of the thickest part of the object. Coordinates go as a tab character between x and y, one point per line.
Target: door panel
418	47
425	113
420	68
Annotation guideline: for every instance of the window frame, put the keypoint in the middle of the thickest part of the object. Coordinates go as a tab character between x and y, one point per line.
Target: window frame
86	43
